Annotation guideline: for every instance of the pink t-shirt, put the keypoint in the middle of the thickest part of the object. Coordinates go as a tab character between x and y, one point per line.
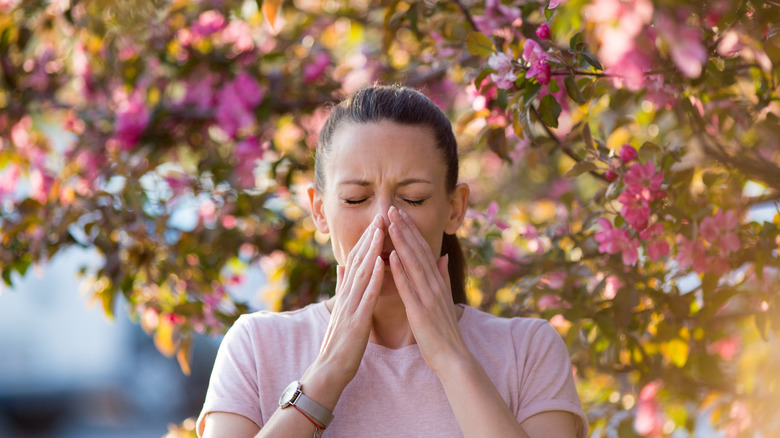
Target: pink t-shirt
394	393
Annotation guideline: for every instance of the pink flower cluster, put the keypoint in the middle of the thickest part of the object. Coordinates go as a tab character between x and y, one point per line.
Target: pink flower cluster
620	24
710	250
132	118
539	68
496	16
504	77
236	101
617	240
649	420
643	185
247	153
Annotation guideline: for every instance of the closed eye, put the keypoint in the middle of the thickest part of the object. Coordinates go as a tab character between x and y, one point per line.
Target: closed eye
354	201
414	202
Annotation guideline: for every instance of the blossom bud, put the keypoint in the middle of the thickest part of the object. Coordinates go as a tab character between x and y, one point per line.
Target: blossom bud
610	175
543	31
627	153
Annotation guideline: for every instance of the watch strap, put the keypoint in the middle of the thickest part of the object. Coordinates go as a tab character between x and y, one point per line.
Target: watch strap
312	409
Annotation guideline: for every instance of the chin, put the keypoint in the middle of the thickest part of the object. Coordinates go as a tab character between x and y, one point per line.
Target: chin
388	285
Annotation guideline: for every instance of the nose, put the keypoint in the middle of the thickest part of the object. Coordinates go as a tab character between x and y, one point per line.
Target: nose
382	208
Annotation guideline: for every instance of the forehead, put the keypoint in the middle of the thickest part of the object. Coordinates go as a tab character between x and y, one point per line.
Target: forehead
384	151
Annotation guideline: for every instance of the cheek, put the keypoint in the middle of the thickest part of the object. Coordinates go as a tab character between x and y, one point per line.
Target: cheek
347	228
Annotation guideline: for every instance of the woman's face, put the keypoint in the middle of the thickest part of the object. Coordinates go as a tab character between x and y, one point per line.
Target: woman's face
373	166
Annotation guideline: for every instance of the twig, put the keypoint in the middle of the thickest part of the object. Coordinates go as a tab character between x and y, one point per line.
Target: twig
566	149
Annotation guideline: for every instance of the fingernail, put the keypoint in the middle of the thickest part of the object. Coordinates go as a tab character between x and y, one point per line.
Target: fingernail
390	212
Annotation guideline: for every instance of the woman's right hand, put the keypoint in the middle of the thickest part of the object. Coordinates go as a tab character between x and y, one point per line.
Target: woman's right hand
357	290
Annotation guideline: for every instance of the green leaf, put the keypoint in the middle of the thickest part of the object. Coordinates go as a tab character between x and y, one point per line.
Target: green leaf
587	137
481	77
573	90
549	110
530	92
591	59
479	45
580	168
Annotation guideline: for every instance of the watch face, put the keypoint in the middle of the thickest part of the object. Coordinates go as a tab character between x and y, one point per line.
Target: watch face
288	394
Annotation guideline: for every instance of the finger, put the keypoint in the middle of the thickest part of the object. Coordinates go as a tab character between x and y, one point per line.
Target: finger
364	272
354	252
339	275
415	254
402	283
358	254
371	295
443	265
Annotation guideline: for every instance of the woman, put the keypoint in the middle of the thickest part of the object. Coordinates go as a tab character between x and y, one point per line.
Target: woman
395	352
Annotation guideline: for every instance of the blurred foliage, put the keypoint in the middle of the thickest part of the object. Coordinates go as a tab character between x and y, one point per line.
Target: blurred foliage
622	155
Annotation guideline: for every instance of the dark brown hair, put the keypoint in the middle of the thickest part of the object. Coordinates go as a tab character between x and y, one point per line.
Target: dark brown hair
404	106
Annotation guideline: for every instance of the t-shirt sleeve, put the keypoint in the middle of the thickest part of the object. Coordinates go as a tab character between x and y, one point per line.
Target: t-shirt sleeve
233	384
547	383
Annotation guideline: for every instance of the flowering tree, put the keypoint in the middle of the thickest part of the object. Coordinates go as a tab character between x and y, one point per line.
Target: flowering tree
634	171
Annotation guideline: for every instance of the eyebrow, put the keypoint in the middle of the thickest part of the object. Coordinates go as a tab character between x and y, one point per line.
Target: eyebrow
364	183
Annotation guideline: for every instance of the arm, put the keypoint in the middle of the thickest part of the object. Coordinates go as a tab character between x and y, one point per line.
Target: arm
423	284
358	286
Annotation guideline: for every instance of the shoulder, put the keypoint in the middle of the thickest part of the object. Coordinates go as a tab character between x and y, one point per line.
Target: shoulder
266	326
475	320
528	337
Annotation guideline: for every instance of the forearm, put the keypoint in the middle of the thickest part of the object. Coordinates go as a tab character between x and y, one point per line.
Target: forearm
318	383
478	407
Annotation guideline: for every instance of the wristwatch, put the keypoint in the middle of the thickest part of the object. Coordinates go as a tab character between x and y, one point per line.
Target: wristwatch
293	396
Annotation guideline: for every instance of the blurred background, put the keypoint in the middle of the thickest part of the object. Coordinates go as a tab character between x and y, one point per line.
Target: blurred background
68	371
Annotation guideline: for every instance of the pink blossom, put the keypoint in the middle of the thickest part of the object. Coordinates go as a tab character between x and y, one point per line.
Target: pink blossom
627	153
555	3
657	246
497	15
617	240
612	286
9	179
691	253
490	216
685	42
619	25
132	118
208	23
540	69
642	179
504	77
635	209
313	71
740	417
543	31
549	301
7	5
610	175
554	279
649	419
247	153
200	92
248	89
727	347
719	231
41	183
239	35
235	102
629	70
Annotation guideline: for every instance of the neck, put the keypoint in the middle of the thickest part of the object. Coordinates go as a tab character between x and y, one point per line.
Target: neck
389	326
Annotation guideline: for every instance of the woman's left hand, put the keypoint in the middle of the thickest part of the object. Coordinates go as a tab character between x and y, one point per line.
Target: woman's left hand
423	282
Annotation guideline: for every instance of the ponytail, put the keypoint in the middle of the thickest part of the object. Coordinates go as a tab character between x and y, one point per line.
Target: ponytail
456	267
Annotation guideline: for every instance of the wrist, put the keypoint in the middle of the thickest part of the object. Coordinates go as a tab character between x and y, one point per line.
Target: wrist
322	385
